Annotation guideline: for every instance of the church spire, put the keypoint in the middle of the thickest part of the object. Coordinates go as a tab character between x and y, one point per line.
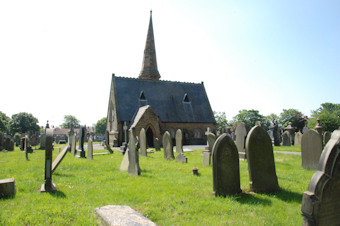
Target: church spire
149	68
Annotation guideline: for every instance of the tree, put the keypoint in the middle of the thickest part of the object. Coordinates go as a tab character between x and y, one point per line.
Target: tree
4	122
294	116
100	127
68	120
329	115
23	122
250	117
221	120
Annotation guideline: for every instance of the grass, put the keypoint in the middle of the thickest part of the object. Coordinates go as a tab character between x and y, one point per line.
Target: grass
166	192
287	148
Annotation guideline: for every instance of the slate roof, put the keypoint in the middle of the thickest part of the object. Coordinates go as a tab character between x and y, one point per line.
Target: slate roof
172	101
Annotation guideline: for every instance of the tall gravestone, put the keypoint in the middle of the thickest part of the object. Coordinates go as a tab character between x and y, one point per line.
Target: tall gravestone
48	186
90	149
71	137
320	204
168	147
142	143
42	142
226	170
208	151
133	156
81	151
179	141
297	139
73	144
326	137
157	144
276	134
311	148
241	133
261	164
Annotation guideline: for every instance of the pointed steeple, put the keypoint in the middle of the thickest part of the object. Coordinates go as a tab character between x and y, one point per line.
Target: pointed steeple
149	68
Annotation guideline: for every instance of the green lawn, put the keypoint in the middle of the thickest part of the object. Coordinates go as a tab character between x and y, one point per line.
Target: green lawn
166	192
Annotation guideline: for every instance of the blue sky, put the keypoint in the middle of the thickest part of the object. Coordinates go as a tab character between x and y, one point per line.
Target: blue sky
57	57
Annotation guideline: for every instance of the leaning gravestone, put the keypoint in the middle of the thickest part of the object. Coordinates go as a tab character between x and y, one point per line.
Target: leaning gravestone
261	164
59	158
133	168
168	147
320	204
90	149
226	170
326	137
207	153
286	141
142	143
241	133
48	186
81	151
311	148
297	139
157	144
179	141
124	166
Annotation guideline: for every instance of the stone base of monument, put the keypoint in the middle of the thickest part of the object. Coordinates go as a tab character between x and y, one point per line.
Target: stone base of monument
121	215
7	188
80	154
44	188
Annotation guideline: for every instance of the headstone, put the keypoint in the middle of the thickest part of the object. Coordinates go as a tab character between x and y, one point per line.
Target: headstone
297	140
48	186
73	144
107	141
320	204
1	141
124	166
179	141
90	149
71	136
182	158
276	134
226	171
241	133
157	144
59	158
261	164
326	137
43	142
81	151
142	143
168	147
291	131
208	151
7	188
311	148
286	141
133	168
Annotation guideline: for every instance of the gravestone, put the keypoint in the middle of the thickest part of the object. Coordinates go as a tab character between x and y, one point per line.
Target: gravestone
297	140
182	158
123	148
124	166
241	133
291	131
311	148
276	134
142	143
326	137
133	168
81	151
7	188
286	141
320	204
168	147
43	142
90	149
48	186
73	144
1	141
261	164
179	141
211	138
157	144
71	137
59	158
225	166
107	141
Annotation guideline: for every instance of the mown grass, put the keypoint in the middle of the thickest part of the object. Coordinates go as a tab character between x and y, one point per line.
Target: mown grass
166	192
287	148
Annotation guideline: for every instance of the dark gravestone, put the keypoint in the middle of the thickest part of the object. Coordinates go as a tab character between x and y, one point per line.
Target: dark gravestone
48	186
1	141
81	151
90	149
208	151
168	147
133	168
241	133
157	144
11	145
286	141
326	137
311	148
226	171
320	204
261	164
59	158
179	141
276	134
7	188
142	143
43	142
297	139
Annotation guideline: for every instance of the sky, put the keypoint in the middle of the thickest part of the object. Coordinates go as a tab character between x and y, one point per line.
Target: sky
57	57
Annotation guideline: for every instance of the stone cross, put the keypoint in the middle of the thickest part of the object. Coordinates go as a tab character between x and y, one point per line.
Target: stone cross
48	186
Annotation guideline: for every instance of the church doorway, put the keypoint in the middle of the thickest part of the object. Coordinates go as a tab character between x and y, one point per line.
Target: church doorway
149	137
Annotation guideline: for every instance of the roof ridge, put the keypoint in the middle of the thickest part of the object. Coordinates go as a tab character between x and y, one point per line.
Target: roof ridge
149	80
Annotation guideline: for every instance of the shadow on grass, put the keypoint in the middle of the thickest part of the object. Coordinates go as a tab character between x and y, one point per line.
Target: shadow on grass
62	174
245	198
288	196
58	194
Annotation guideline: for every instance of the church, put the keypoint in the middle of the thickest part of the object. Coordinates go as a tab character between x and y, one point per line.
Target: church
157	106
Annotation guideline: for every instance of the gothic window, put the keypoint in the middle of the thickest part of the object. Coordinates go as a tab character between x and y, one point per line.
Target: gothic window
142	96
186	98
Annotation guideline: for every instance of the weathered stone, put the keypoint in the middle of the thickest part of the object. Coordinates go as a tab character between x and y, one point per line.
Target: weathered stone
291	131
297	140
320	204
73	145
122	215
179	141
43	142
182	158
107	141
261	164
90	149
207	152
286	141
211	140
133	168
71	136
157	144
226	172
168	147
311	148
81	151
124	166
241	133
48	186
142	143
7	188
326	137
59	158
